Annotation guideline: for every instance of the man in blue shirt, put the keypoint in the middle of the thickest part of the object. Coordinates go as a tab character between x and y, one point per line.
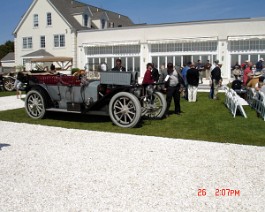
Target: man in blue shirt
184	75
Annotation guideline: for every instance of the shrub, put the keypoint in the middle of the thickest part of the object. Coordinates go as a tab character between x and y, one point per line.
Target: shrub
74	70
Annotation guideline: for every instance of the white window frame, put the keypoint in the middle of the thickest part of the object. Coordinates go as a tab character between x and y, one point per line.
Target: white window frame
27	43
35	20
49	19
59	40
42	41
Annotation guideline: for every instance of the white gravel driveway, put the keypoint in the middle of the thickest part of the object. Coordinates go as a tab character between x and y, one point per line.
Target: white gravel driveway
56	169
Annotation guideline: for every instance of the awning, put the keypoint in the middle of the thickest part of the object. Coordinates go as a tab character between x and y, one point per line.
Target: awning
183	40
112	43
51	59
252	37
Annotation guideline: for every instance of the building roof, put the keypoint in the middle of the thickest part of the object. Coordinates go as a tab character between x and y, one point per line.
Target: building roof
9	57
39	53
69	7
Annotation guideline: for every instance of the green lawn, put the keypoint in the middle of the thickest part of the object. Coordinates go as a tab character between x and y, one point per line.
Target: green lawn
7	93
207	120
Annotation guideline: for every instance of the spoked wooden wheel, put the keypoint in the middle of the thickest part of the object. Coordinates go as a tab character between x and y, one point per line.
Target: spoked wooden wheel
9	84
35	104
125	110
155	106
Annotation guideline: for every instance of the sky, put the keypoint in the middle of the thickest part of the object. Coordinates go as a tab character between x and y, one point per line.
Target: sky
149	12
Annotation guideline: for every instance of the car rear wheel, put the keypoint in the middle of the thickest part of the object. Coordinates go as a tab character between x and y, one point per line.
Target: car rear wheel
125	110
155	106
35	104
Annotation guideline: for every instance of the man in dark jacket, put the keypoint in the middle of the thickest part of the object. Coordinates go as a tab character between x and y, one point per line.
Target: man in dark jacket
193	82
118	66
259	64
155	73
216	80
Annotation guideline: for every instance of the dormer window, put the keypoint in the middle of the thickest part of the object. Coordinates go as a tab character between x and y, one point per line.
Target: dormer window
86	20
103	23
35	20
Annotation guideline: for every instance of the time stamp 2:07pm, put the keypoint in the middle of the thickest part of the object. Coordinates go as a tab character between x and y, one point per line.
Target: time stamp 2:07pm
219	192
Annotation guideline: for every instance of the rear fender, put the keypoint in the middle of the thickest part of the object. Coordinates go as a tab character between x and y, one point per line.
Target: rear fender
43	91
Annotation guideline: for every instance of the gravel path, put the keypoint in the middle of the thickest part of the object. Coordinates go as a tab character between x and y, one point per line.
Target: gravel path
56	169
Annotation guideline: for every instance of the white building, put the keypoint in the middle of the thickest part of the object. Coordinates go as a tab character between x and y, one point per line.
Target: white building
92	35
50	27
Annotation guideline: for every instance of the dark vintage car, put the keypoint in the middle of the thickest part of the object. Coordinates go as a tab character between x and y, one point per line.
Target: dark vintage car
115	94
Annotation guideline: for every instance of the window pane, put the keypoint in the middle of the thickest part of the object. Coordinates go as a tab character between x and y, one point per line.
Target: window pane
49	19
178	60
162	60
244	57
29	43
62	41
42	41
234	59
254	58
170	59
137	64
56	41
155	61
129	64
35	20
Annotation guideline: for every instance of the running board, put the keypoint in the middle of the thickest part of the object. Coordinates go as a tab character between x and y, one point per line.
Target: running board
92	112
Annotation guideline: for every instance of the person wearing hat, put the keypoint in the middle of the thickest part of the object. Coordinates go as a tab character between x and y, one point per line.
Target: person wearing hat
254	80
259	64
173	83
237	72
260	84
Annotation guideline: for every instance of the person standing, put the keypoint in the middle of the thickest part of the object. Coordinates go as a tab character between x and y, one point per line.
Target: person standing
207	68
155	73
173	82
200	68
118	66
18	84
247	73
184	74
148	78
259	64
193	82
216	80
52	68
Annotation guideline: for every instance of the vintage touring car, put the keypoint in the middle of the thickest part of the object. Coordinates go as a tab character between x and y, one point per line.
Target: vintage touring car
115	94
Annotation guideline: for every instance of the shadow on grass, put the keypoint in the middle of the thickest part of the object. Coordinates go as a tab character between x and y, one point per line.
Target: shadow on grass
76	117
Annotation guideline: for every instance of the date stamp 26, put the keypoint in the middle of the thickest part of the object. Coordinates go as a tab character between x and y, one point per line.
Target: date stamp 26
220	192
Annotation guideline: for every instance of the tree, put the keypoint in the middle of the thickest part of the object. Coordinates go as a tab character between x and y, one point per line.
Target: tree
6	48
